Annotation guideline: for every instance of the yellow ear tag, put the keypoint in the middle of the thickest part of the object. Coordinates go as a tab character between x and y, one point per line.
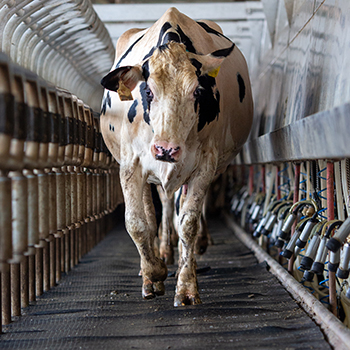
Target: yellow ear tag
214	73
124	92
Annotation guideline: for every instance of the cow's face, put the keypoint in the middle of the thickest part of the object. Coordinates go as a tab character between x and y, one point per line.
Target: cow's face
176	87
172	85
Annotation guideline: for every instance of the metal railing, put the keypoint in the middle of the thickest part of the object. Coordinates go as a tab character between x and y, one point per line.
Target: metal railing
58	181
64	42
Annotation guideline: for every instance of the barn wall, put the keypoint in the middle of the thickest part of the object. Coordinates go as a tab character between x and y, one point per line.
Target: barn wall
242	22
301	82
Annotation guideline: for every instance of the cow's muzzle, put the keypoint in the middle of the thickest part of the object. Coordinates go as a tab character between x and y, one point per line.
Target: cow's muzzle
166	152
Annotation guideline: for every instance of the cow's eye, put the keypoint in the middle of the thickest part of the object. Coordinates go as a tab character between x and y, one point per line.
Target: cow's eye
149	94
197	92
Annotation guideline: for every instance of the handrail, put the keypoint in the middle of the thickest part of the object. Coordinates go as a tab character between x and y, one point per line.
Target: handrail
63	42
58	181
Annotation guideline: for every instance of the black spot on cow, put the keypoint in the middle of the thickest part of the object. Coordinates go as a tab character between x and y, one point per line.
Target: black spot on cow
211	30
163	47
145	70
111	127
171	36
186	40
197	65
166	26
207	104
132	111
128	51
241	86
176	35
150	53
157	204
146	102
223	52
106	101
177	203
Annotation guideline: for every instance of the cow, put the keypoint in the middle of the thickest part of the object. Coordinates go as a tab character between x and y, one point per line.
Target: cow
176	110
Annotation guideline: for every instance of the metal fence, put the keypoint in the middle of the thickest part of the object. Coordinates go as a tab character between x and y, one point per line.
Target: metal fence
64	42
298	152
58	181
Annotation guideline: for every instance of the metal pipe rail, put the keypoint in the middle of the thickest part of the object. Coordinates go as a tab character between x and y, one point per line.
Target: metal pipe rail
58	181
58	185
298	148
297	213
64	42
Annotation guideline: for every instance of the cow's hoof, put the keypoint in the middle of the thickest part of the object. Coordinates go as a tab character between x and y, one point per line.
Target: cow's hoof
167	254
159	271
168	258
183	300
147	291
159	288
174	238
201	245
150	290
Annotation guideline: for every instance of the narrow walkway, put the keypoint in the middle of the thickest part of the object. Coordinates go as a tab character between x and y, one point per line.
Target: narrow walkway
98	305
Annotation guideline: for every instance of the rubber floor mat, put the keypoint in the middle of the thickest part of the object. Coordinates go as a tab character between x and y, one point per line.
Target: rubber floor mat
98	305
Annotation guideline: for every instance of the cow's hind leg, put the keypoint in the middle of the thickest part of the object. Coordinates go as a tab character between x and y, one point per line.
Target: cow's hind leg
152	286
141	225
203	238
166	248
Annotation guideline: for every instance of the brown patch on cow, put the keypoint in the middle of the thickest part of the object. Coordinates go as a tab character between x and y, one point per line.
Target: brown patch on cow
168	65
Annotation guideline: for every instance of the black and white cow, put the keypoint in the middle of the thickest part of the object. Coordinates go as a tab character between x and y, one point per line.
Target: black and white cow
183	112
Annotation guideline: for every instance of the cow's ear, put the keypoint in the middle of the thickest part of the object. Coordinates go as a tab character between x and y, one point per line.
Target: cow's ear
210	64
122	79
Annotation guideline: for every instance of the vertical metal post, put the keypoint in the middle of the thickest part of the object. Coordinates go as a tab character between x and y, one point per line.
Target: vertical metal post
43	185
31	276
277	184
6	294
295	199
68	222
52	226
5	247
80	210
39	286
330	216
90	218
19	205
251	179
61	221
33	230
73	217
24	277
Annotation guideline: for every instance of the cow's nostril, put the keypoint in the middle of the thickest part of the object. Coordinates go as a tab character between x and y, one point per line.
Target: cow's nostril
166	151
174	151
158	149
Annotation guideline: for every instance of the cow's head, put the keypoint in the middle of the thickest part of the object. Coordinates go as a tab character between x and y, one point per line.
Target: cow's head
178	95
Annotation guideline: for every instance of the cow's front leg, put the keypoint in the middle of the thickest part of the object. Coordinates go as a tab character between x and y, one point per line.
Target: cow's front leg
141	225
186	287
188	226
